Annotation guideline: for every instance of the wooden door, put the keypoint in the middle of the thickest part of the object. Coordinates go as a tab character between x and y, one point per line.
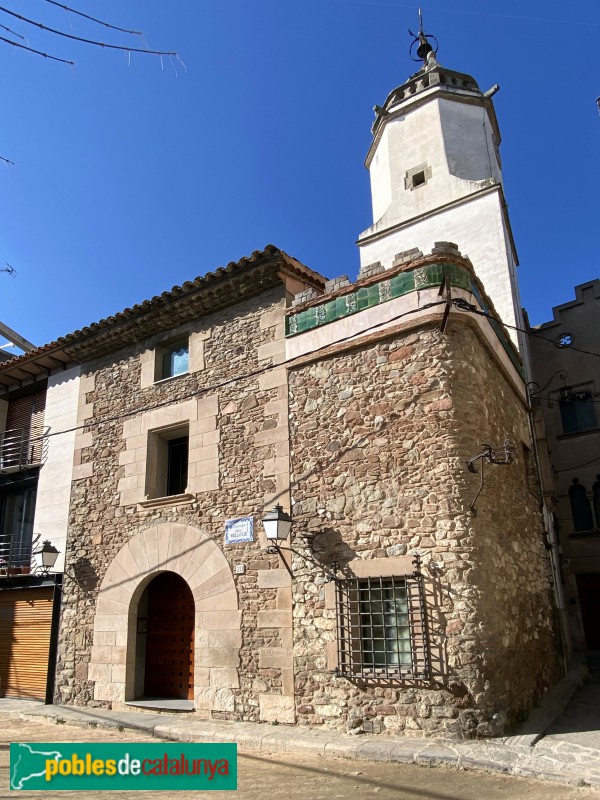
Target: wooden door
588	587
169	670
25	625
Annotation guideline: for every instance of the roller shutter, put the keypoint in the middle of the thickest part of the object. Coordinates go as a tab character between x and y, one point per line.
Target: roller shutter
25	624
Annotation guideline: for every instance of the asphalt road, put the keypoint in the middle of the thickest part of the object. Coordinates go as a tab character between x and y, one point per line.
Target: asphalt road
281	777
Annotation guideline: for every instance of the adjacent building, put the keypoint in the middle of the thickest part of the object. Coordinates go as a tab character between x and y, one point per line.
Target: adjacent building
566	395
39	395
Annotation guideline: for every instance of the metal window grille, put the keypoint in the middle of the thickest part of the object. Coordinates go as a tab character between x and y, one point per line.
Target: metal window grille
382	629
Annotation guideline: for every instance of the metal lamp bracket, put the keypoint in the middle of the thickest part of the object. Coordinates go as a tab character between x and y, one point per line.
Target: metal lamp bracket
504	454
275	549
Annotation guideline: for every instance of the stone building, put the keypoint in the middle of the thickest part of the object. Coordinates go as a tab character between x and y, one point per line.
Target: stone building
183	426
565	394
39	394
389	416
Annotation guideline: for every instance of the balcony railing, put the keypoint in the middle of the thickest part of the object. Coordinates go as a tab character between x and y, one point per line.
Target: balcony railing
15	553
22	448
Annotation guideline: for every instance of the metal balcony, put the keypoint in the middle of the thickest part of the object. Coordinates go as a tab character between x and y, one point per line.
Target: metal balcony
22	448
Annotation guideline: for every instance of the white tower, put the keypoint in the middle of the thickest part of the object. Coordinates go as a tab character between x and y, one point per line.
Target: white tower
436	175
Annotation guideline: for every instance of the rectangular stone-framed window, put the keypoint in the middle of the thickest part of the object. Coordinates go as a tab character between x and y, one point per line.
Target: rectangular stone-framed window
381	627
171	354
172	359
167	461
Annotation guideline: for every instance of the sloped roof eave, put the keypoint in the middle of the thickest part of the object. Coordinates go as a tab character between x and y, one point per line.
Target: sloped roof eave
71	349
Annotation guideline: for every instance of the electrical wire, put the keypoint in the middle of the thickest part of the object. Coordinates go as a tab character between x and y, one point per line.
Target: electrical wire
469	12
558	399
459	303
13	33
464	305
235	379
577	466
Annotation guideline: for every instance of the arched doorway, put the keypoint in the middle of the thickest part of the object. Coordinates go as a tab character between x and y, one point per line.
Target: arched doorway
189	552
165	638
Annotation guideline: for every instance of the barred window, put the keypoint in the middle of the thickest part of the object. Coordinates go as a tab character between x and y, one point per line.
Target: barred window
577	411
382	628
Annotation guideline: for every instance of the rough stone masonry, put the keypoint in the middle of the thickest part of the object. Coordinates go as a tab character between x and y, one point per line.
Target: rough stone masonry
380	434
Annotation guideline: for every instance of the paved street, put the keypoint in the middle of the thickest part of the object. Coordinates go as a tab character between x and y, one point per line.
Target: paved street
579	725
306	778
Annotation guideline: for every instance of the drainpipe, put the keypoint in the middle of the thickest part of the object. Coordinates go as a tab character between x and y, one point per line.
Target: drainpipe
553	546
53	651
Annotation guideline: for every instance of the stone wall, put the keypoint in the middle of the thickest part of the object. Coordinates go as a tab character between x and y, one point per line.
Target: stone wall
380	434
240	471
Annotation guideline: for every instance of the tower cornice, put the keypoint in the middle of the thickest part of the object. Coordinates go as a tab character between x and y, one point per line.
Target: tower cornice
425	85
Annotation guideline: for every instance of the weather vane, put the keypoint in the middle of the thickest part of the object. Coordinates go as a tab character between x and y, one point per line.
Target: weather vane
422	39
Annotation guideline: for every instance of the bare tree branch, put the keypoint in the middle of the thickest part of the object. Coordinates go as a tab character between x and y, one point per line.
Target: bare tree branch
14	33
85	41
93	19
39	52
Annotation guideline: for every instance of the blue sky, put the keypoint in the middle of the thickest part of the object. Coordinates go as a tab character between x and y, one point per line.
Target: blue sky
133	175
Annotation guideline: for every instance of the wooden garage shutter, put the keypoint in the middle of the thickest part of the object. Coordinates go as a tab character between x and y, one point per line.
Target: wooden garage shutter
25	623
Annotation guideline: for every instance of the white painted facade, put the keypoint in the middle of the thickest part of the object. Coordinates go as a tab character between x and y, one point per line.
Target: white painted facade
451	135
54	485
453	138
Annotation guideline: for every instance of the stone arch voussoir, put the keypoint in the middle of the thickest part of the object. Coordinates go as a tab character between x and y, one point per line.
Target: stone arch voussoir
190	553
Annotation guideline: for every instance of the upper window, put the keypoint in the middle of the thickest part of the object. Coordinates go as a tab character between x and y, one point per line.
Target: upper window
172	359
167	465
577	411
381	624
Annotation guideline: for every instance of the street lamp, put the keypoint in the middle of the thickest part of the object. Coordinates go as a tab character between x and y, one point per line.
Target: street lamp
45	557
277	525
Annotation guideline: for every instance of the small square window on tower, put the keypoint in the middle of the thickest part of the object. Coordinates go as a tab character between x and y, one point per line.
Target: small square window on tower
172	359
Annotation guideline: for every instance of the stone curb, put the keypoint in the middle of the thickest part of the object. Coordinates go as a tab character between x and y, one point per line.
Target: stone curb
487	756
